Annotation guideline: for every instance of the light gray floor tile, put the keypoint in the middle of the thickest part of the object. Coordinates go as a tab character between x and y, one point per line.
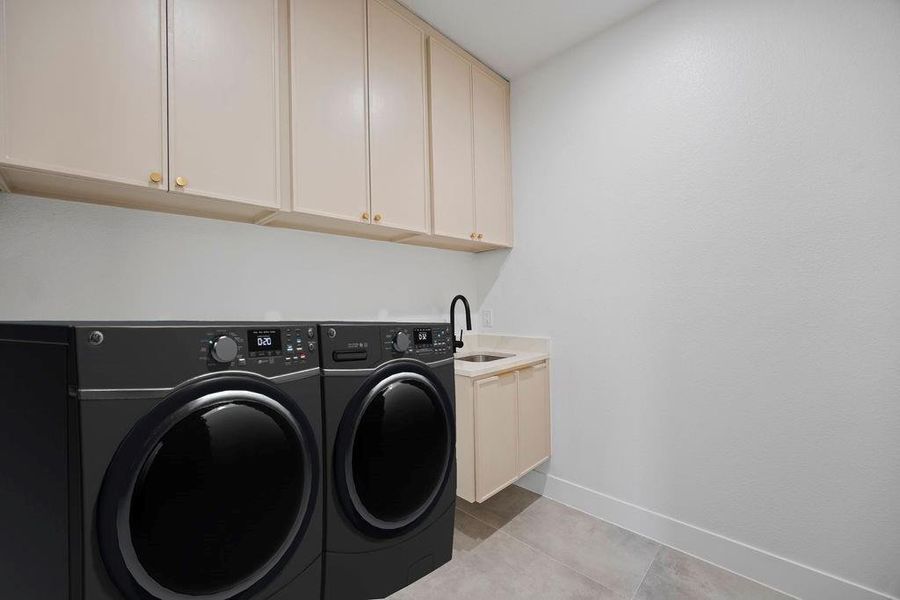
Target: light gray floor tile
500	568
468	533
502	508
610	555
677	576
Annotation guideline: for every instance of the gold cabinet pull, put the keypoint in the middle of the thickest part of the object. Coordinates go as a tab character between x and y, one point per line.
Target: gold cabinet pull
474	236
480	236
155	177
181	181
365	216
378	218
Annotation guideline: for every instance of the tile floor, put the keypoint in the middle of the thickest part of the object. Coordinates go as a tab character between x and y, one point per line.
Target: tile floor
521	545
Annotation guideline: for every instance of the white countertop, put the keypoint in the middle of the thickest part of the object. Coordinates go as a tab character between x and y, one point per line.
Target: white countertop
519	352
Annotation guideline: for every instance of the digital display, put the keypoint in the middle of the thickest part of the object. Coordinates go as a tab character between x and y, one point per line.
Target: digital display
264	340
422	336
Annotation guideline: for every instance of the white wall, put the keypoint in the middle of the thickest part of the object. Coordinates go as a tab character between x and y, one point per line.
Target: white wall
708	226
65	260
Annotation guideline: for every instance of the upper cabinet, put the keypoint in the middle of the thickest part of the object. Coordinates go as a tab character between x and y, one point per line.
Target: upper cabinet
397	119
79	96
328	99
359	134
452	161
490	102
470	149
224	117
344	116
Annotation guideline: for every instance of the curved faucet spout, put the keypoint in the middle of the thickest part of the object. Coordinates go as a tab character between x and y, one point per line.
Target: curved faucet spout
459	343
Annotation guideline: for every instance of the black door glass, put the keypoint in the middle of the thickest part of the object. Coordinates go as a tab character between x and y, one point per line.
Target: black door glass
400	451
217	497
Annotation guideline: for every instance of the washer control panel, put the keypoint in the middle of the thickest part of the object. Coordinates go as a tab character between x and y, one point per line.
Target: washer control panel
130	355
269	348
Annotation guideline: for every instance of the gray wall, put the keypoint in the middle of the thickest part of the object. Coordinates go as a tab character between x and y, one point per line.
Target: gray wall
66	260
708	227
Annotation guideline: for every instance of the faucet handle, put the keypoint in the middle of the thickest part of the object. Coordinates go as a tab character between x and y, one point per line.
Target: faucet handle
458	343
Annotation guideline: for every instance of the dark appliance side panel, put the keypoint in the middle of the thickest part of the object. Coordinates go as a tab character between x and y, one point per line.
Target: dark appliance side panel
35	561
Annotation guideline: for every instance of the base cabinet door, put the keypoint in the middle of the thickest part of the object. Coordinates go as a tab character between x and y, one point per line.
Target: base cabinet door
224	99
533	416
496	434
83	88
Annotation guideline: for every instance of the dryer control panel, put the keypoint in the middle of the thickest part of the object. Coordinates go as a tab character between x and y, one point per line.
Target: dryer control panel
427	343
366	345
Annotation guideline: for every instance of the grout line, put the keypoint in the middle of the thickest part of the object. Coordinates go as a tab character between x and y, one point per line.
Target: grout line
559	562
669	546
647	572
544	554
482	521
660	545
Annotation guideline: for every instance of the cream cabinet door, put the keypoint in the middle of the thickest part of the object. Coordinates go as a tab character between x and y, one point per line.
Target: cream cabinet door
490	100
451	142
82	88
224	116
397	120
496	435
328	99
534	417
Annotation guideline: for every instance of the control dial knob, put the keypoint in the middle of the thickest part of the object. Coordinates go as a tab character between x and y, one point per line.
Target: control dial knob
224	349
401	341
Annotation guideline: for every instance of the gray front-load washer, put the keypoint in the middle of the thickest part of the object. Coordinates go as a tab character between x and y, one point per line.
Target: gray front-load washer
160	461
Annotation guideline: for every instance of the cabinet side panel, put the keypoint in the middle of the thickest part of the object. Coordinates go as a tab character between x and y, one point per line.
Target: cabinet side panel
34	558
465	440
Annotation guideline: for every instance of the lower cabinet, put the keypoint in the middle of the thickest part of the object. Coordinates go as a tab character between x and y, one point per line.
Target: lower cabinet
503	429
496	434
534	417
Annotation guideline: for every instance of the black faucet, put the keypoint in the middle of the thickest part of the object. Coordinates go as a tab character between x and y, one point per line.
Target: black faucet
459	343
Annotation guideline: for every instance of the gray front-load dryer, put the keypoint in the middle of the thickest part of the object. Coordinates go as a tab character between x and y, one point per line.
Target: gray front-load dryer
390	455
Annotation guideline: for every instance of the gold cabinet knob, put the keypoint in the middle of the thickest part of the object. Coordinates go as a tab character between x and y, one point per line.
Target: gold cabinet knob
480	236
474	236
365	216
377	218
181	181
155	177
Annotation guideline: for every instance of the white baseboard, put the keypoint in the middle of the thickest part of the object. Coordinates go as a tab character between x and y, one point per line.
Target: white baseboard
764	567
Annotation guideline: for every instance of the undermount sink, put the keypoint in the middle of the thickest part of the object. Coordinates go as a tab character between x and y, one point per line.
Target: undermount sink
481	358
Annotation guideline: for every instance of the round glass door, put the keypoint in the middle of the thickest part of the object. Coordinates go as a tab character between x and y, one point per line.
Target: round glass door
217	499
400	451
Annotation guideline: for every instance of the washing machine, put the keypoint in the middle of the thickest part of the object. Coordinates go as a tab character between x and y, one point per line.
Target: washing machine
390	465
151	461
